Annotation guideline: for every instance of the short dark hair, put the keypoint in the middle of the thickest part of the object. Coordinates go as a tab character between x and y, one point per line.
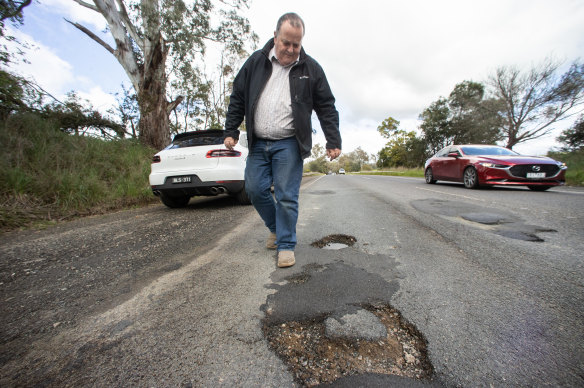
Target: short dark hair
293	19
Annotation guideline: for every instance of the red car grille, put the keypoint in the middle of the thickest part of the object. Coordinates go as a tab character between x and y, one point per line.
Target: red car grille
521	170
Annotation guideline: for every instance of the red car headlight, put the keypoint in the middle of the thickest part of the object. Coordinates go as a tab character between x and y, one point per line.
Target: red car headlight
493	165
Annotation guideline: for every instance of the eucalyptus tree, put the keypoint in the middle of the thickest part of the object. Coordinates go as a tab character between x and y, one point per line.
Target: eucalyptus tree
161	41
466	116
573	138
535	100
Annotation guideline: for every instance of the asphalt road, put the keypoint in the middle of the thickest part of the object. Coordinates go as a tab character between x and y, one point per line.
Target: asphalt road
492	279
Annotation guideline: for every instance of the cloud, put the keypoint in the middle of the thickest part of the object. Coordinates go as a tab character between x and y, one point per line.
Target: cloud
75	12
44	66
55	75
395	58
100	100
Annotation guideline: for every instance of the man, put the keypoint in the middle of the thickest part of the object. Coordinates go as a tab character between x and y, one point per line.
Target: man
276	91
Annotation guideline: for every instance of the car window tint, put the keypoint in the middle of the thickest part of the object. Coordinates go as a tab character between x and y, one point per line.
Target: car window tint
196	141
491	151
443	152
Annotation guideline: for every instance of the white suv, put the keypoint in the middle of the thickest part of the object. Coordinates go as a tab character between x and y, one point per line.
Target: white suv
197	163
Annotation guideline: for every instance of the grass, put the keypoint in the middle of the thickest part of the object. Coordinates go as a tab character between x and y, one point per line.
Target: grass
575	162
396	171
47	175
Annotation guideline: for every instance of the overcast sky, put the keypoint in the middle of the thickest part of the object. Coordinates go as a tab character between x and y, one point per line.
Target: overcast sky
382	58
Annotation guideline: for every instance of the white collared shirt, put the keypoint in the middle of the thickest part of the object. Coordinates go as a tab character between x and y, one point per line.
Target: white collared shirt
273	114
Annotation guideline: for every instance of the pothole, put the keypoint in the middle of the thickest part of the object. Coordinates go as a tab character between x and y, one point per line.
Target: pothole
315	354
335	241
487	218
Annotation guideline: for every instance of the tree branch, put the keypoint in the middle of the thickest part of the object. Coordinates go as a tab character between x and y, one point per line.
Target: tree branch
87	5
172	105
129	26
92	36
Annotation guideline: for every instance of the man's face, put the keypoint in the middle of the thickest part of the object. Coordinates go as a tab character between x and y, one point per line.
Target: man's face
287	43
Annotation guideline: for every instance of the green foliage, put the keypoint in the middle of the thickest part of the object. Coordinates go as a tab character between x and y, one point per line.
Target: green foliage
46	174
12	11
404	149
388	127
77	117
17	94
465	117
573	138
398	171
575	162
318	165
352	161
317	151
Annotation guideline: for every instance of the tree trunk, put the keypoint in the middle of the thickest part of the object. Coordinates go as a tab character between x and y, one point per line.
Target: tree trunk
154	123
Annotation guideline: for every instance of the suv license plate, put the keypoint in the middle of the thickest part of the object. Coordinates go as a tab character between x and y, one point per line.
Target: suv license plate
181	179
536	174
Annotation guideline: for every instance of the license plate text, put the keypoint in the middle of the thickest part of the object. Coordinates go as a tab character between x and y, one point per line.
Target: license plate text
181	179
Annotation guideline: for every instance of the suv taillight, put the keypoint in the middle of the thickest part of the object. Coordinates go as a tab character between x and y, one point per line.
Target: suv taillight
156	159
223	154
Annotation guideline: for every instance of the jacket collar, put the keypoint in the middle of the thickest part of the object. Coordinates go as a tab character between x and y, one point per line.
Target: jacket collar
268	47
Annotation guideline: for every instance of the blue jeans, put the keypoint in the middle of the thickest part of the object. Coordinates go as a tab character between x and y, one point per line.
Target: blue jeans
278	162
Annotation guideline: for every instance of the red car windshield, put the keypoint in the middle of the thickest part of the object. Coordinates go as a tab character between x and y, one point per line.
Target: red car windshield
487	151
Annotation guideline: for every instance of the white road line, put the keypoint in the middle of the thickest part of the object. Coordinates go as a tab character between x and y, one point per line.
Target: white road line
313	182
568	192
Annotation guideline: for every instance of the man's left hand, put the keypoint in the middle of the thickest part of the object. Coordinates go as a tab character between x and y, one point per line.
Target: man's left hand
333	153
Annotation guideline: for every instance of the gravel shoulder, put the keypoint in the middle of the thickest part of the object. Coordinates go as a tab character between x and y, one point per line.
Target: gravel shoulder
51	279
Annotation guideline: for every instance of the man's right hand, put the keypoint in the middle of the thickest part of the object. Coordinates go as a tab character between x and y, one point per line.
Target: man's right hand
229	142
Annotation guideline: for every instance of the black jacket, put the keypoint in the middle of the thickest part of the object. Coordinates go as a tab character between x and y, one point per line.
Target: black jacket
309	91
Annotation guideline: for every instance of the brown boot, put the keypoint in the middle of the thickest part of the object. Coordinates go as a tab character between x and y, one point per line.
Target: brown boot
286	259
271	242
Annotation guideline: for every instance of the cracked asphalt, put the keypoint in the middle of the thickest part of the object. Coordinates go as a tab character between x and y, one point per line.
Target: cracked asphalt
160	297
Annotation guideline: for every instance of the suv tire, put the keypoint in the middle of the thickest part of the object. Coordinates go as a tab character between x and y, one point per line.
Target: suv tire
242	198
174	202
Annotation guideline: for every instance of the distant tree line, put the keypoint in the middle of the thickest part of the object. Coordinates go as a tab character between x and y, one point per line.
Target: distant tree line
512	108
353	161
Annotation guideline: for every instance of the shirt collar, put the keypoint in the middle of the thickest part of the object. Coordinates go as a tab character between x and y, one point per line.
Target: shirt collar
273	57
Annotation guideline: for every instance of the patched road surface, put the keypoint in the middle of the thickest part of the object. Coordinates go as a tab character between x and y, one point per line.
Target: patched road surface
396	283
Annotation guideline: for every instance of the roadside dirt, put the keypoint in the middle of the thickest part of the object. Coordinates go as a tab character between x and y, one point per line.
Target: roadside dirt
51	279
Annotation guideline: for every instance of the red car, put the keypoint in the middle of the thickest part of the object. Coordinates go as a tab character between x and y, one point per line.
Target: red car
489	165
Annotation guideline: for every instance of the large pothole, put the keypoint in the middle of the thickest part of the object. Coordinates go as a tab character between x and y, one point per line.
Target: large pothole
315	355
332	321
335	241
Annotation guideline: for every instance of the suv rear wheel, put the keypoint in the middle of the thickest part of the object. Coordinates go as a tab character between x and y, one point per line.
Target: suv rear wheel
242	198
174	202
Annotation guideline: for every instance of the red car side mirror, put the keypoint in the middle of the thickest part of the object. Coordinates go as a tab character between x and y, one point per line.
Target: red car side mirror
453	155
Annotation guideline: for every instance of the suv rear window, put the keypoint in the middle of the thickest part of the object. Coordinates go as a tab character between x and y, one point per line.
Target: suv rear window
196	139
